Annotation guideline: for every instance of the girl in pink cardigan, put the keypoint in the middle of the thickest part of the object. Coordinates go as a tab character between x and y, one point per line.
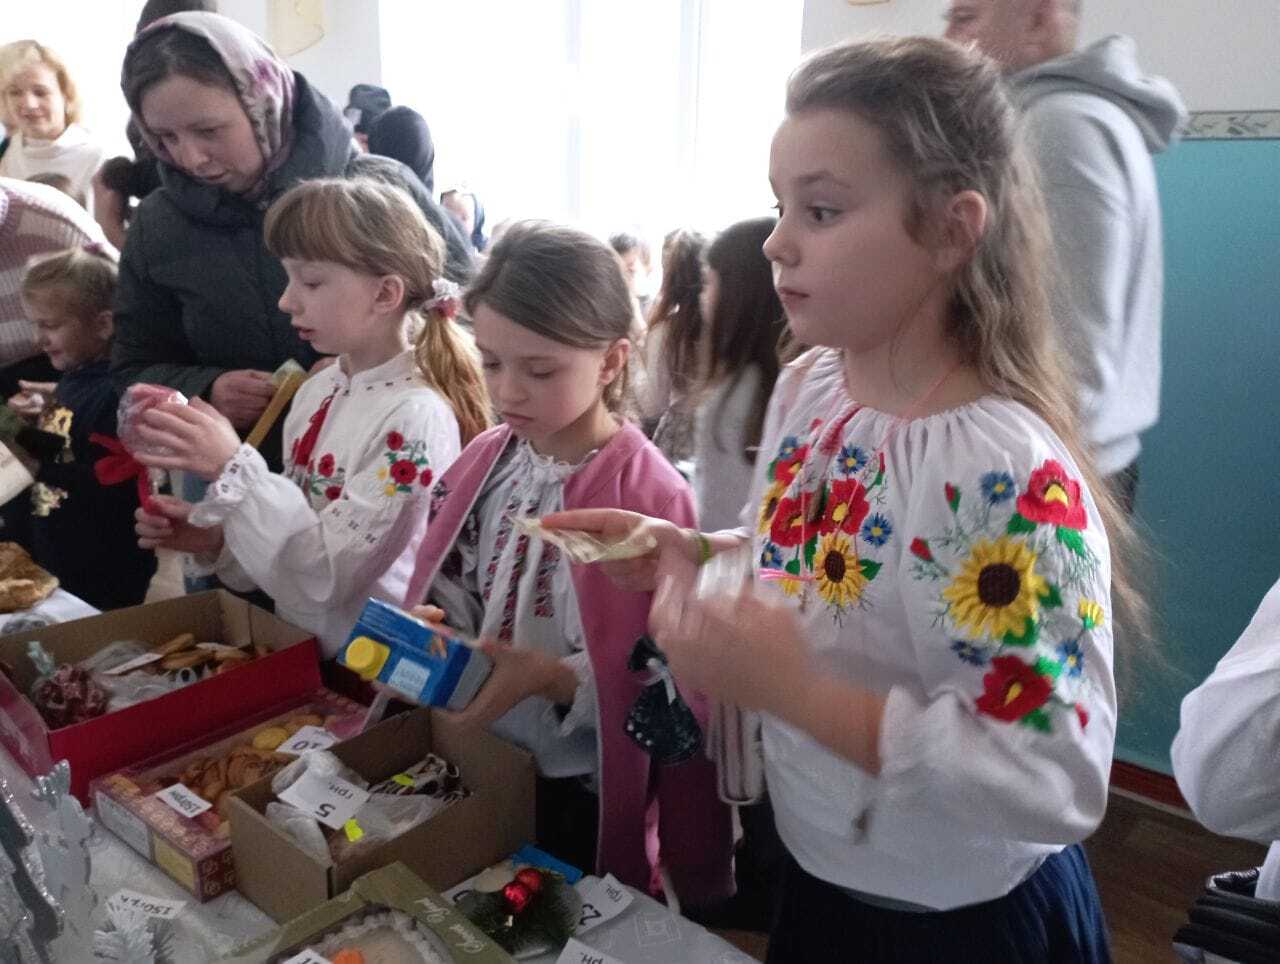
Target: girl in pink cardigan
551	313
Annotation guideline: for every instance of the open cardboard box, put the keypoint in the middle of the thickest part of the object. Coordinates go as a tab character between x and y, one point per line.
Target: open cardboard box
461	840
196	852
147	729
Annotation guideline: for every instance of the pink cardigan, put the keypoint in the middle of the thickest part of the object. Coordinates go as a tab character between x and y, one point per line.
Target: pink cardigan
689	830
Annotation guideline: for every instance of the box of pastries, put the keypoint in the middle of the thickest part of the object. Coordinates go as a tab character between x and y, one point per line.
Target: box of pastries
109	690
174	811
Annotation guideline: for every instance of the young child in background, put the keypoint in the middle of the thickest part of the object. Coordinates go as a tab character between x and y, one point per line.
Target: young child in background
81	531
365	437
745	325
928	634
674	347
552	313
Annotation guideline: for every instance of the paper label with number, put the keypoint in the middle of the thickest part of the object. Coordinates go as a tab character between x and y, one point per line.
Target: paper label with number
576	952
184	801
144	904
602	900
307	739
307	957
330	800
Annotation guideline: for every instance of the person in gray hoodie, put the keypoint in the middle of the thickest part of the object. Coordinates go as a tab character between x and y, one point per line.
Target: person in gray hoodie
1093	121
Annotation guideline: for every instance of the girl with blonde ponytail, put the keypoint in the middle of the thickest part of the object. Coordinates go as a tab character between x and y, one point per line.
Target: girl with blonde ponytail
365	437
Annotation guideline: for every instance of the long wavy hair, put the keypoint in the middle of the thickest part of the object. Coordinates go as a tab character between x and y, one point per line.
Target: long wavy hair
949	126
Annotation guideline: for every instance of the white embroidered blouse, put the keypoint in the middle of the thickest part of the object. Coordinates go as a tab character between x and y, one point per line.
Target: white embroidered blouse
344	520
966	578
503	585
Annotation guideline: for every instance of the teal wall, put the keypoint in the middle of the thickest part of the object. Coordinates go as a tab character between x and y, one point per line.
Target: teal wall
1210	471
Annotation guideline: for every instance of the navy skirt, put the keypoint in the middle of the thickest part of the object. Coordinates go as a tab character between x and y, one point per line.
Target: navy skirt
1054	917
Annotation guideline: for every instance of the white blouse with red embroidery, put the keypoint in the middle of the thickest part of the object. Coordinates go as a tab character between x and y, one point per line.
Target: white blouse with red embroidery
344	520
956	565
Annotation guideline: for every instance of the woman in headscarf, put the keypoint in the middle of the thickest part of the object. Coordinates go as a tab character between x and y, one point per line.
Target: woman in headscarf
233	127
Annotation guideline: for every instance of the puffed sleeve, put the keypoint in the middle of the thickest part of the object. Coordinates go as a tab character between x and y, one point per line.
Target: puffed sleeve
1224	753
1005	576
308	558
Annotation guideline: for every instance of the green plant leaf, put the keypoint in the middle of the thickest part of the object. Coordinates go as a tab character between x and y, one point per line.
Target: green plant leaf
1030	633
1017	524
1072	539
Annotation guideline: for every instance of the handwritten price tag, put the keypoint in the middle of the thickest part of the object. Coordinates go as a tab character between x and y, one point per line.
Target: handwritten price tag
307	739
576	952
184	801
307	957
330	800
151	906
602	900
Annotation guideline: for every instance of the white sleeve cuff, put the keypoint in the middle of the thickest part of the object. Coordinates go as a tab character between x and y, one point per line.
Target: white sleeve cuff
242	471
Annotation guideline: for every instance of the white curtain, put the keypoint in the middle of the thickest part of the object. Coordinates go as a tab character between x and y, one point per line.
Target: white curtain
646	115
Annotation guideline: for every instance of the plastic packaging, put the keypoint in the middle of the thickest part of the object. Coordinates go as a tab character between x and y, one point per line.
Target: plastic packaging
583	547
136	401
303	828
734	740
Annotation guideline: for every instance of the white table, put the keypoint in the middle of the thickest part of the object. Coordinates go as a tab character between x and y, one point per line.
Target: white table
645	933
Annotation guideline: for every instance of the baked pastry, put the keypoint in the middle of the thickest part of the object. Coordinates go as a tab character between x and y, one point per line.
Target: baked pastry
23	584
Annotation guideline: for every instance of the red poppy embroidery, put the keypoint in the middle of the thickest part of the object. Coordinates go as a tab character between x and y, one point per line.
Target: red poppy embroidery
1052	496
786	469
333	492
326	464
920	549
305	445
847	506
404	472
1012	689
425	478
395	441
1083	715
788	527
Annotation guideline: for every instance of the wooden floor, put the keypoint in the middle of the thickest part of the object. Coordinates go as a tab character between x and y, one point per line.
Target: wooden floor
1149	865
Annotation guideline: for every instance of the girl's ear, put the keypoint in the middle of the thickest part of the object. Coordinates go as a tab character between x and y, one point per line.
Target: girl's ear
389	296
615	360
964	219
102	325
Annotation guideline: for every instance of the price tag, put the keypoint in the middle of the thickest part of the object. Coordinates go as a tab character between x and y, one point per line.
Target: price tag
135	663
184	801
602	900
307	739
307	957
142	904
330	800
576	952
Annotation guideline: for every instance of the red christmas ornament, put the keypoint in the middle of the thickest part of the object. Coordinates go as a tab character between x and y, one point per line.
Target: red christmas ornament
532	878
517	896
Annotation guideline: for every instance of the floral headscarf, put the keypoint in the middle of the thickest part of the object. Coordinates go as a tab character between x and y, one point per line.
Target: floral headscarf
263	82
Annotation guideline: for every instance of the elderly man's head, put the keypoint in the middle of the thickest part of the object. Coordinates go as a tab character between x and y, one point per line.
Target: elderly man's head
1016	33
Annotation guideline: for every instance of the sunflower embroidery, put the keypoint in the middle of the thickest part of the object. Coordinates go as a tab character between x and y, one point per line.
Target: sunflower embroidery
997	589
1018	551
840	580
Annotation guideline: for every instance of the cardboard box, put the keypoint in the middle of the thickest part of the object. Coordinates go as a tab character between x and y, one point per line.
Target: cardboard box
394	887
148	729
196	851
469	835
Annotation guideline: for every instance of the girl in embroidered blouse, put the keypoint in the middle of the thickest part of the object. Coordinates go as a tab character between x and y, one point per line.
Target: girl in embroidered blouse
928	631
552	314
365	437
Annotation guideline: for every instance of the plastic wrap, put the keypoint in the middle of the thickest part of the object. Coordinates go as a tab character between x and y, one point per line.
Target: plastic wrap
734	740
136	401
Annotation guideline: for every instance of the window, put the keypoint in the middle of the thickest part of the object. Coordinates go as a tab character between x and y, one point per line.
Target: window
650	115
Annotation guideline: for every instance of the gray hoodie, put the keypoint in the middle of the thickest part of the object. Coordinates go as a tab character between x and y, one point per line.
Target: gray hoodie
1093	121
